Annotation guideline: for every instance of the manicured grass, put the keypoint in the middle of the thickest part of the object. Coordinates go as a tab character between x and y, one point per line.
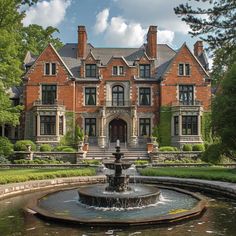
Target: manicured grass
209	173
22	175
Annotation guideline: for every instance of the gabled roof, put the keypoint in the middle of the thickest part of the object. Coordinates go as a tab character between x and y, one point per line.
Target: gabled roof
165	67
55	51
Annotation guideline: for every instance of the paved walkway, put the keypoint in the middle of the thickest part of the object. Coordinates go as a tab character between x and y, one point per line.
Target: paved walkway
222	188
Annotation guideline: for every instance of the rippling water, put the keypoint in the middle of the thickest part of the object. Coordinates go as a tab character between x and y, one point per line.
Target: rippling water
219	219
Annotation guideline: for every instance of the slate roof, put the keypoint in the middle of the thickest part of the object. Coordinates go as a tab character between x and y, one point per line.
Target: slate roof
69	51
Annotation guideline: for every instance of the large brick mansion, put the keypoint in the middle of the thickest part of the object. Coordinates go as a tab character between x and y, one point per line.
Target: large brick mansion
116	93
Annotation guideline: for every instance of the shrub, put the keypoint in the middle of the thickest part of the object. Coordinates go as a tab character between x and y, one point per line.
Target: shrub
141	162
213	154
198	147
21	145
6	147
187	147
91	162
4	160
167	149
45	148
68	149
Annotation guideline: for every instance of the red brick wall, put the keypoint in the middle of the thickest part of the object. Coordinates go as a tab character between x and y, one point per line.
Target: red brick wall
196	78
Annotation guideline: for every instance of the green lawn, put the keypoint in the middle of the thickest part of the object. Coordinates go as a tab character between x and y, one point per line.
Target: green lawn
209	173
22	175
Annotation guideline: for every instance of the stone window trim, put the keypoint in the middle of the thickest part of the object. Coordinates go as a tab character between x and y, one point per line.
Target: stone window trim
118	71
84	95
50	68
144	70
184	69
151	93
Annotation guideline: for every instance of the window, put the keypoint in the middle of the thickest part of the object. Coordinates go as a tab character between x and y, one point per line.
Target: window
90	126
176	125
117	70
90	70
144	71
61	125
144	96
49	94
118	96
189	125
47	125
186	94
144	127
184	69
90	96
50	68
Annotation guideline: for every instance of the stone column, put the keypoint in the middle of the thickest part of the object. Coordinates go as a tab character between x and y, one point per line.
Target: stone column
180	124
199	125
134	139
102	137
38	125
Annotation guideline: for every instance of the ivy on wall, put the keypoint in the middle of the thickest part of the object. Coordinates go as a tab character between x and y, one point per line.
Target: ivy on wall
206	129
165	126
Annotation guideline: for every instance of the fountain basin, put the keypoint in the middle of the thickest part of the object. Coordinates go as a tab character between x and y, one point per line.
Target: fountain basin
136	196
114	165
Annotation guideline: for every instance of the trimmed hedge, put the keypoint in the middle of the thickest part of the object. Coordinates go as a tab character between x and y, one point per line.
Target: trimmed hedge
21	145
62	148
141	162
187	147
167	149
45	148
198	147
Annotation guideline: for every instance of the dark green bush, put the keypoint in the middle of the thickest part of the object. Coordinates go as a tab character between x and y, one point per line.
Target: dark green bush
4	160
187	147
167	149
6	147
45	148
68	149
21	145
198	147
213	154
60	148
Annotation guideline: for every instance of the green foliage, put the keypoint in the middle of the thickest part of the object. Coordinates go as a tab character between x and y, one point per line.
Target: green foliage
91	162
213	154
155	132
224	113
68	149
4	160
167	149
141	162
6	147
45	148
198	147
21	145
62	148
165	126
37	161
209	173
22	175
206	127
187	147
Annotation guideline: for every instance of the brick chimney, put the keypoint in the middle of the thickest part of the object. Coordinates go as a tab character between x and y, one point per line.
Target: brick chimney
82	41
152	42
198	48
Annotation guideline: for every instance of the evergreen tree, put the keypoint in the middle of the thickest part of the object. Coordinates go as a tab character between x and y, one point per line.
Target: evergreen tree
216	25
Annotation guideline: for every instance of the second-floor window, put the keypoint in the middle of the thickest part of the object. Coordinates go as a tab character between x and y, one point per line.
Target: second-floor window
144	96
117	70
118	96
49	94
144	71
90	96
90	70
184	69
186	94
50	68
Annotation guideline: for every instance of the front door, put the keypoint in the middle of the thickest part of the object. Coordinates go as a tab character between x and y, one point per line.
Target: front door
118	130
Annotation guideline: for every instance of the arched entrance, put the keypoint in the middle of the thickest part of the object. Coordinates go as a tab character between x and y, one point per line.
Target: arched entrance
117	130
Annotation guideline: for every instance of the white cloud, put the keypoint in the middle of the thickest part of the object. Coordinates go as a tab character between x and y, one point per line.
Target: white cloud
165	36
101	21
118	31
47	13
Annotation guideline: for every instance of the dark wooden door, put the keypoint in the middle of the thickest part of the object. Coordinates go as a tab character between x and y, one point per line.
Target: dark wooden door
117	130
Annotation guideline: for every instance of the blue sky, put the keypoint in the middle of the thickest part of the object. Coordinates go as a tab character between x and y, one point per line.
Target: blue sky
112	23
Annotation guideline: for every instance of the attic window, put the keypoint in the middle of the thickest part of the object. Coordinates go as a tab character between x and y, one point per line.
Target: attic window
144	71
90	70
50	68
117	70
184	69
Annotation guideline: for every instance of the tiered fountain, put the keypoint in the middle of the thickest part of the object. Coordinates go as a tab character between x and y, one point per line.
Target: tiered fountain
119	193
103	204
